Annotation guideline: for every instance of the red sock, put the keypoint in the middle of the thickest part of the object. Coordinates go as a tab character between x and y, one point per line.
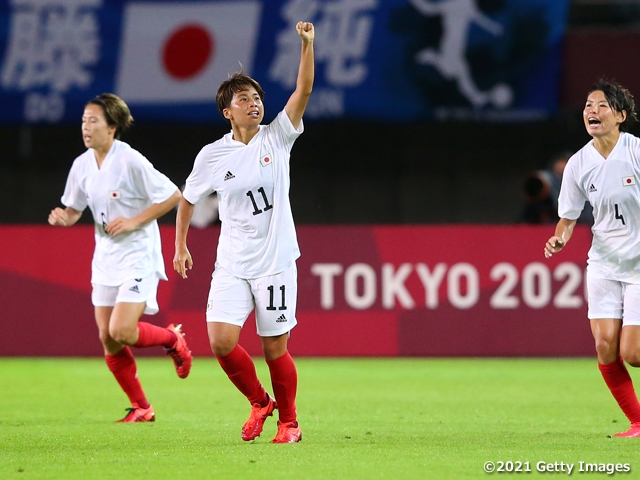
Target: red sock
242	372
284	378
151	335
123	367
619	382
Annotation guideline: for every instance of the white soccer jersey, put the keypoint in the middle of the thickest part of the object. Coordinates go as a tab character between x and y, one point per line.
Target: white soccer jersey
126	185
257	236
611	186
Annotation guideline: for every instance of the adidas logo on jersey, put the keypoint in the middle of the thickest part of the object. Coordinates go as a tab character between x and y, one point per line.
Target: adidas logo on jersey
281	319
592	188
134	289
229	176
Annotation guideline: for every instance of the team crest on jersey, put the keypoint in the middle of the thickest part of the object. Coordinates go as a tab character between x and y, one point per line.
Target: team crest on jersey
115	194
266	160
628	181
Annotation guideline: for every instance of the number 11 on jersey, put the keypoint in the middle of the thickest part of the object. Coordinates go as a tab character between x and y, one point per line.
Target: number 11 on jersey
267	206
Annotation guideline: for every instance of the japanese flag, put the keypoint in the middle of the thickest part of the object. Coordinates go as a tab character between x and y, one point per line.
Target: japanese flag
180	52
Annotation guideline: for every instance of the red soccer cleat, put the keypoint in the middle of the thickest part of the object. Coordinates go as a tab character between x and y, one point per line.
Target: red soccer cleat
180	353
633	432
252	428
137	414
288	433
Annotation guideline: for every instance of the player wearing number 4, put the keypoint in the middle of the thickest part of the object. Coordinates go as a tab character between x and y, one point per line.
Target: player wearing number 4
606	172
126	195
255	265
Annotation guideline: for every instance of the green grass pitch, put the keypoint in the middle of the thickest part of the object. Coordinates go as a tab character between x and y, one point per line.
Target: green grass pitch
361	418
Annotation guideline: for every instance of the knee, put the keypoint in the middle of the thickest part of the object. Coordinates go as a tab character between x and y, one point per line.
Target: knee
632	357
105	338
607	349
221	347
274	347
121	335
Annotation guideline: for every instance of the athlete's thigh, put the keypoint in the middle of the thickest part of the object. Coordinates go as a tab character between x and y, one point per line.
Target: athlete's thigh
630	335
630	344
223	337
125	317
230	298
605	298
103	316
276	300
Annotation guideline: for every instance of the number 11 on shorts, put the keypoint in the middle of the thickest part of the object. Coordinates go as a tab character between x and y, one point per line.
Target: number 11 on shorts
271	306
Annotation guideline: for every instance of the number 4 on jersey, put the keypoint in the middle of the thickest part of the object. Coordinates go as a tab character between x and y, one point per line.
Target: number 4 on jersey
618	215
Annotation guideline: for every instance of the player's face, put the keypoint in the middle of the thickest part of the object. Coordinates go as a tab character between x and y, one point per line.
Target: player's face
246	108
96	132
599	118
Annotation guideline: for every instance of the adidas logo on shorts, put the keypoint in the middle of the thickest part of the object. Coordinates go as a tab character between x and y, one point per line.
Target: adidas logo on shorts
134	289
281	319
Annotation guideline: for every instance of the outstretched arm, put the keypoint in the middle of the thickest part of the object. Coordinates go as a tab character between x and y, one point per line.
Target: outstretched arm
297	103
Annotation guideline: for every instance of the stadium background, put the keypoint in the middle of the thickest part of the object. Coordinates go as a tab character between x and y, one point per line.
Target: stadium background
396	169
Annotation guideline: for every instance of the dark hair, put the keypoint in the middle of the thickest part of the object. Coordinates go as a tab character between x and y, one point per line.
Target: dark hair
116	111
237	82
619	99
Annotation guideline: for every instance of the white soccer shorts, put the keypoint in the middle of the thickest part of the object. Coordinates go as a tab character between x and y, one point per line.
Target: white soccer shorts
134	290
614	299
274	298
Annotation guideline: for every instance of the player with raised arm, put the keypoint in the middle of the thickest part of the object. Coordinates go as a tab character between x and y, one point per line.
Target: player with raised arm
606	172
126	195
257	250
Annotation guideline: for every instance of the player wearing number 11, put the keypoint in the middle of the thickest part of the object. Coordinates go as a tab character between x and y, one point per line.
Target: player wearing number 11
255	265
606	172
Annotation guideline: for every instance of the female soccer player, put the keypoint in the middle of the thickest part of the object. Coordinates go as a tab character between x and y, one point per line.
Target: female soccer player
255	265
126	195
606	172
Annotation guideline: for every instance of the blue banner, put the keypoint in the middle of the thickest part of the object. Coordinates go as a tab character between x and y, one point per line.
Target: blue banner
385	60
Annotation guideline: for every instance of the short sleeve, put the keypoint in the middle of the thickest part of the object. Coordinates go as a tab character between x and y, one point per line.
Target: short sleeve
283	128
572	197
198	185
156	185
74	196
